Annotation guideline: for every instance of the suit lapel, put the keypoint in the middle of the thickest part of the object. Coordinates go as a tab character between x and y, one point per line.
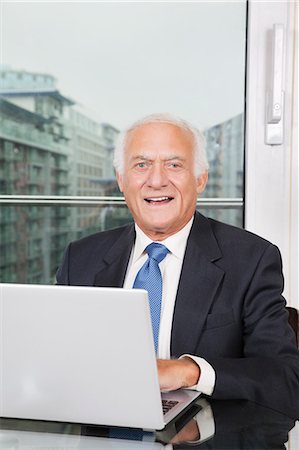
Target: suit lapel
114	265
199	282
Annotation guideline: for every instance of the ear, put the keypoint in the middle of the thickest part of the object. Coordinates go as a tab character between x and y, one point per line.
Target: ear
201	182
119	179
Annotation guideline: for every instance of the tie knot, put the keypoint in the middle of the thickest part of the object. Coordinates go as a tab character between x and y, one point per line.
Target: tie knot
156	251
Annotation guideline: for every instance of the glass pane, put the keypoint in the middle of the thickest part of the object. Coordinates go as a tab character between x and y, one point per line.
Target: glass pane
33	238
68	89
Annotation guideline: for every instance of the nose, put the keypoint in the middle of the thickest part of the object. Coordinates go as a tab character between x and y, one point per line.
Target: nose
157	176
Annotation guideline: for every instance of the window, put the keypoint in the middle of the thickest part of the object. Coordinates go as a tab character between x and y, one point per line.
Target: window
62	109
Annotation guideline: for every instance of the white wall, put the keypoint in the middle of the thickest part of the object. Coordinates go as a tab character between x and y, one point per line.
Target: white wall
271	188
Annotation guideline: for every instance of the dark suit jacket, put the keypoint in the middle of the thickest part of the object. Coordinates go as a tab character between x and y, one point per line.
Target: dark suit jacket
229	308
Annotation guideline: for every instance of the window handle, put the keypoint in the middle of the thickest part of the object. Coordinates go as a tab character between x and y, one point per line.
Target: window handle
275	96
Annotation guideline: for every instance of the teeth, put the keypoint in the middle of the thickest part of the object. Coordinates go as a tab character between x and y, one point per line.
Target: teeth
159	199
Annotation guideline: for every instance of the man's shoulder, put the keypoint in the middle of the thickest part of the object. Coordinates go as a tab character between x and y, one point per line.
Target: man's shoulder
84	257
235	247
234	232
103	239
233	236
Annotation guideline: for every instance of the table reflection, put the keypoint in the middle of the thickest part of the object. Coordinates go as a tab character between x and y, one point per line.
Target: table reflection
207	424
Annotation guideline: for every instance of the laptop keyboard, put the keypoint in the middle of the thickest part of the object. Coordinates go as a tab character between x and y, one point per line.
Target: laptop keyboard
168	404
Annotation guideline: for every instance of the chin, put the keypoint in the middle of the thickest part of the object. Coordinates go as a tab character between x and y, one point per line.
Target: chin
159	224
158	228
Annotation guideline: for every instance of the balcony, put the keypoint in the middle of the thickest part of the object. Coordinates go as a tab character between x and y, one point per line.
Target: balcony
27	135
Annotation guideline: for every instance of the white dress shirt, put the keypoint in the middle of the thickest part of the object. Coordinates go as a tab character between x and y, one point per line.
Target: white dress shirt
170	267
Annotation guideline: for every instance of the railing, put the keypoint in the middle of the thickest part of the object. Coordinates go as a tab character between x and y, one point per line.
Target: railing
230	203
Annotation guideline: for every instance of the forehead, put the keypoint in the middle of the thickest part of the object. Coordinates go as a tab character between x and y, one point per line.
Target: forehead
160	137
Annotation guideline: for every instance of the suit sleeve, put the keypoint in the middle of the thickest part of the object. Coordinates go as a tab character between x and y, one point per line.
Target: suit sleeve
268	371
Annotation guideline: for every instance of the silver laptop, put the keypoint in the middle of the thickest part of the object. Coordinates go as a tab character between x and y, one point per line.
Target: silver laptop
82	355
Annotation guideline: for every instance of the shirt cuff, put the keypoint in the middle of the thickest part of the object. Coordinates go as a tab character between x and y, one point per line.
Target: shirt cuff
207	379
205	422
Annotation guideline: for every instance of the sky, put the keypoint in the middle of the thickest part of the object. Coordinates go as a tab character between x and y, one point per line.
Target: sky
122	60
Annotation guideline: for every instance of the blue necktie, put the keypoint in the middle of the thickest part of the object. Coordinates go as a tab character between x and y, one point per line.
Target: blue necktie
149	278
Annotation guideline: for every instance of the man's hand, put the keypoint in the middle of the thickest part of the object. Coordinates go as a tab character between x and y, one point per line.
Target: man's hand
177	373
189	433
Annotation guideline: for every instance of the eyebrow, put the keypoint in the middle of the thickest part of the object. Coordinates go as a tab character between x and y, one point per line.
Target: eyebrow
145	157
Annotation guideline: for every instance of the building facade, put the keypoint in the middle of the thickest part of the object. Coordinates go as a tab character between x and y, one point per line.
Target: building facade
47	148
226	167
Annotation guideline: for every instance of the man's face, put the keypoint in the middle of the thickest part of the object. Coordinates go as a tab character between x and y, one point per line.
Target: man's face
158	182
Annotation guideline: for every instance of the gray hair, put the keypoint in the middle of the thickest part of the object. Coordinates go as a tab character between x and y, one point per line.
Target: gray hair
200	158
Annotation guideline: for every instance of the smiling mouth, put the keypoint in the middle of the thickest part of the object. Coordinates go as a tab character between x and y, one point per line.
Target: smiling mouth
158	200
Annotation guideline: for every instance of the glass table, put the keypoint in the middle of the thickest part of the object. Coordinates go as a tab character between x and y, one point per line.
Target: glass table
207	424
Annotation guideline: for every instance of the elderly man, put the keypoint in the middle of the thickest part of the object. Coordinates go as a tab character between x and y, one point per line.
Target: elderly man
220	323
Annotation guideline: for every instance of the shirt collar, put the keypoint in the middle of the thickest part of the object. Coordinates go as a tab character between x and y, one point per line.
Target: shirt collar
176	243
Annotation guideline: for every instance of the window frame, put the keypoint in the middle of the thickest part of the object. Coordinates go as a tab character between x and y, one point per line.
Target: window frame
271	172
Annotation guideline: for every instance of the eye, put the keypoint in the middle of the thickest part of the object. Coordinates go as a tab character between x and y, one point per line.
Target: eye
174	165
141	165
